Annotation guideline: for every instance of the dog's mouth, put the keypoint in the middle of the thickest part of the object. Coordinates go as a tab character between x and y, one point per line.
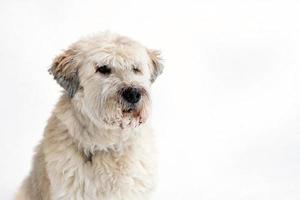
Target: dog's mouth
127	115
132	117
131	112
127	110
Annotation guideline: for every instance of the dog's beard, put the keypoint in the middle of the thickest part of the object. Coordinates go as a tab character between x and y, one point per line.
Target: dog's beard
119	114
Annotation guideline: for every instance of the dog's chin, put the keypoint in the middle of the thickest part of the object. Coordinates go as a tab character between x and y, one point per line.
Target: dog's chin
129	119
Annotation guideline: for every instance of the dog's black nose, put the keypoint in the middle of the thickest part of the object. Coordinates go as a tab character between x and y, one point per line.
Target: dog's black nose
131	95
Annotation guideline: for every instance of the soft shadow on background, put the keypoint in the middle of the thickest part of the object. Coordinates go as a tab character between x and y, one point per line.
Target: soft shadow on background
226	110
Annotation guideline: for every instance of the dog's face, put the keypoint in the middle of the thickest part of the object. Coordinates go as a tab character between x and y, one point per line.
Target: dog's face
108	78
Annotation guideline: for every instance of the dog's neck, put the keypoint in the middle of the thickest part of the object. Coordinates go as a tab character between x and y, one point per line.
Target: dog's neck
89	137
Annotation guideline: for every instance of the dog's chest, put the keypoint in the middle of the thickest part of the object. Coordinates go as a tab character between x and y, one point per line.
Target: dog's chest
105	175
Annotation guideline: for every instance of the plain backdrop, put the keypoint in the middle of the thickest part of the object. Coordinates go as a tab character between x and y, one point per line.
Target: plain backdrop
226	110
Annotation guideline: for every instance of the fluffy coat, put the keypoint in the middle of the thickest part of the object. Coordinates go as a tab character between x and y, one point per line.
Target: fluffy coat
94	147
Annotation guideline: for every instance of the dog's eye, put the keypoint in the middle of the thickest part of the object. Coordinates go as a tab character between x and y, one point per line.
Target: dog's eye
104	69
136	70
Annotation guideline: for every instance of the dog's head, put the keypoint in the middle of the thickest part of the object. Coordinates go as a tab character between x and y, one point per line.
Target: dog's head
108	78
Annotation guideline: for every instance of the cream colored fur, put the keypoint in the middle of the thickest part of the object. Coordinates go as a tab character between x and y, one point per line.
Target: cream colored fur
93	148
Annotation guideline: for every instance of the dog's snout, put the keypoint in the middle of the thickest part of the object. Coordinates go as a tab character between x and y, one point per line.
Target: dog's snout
131	95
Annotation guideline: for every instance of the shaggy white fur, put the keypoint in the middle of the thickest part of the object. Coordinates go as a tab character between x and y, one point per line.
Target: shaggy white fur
97	145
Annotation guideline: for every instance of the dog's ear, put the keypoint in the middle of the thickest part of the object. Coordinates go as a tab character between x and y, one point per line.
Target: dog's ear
156	65
65	71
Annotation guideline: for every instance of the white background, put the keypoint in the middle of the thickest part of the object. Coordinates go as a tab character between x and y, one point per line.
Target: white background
226	109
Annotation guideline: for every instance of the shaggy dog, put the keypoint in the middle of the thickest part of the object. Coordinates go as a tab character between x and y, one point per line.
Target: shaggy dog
97	144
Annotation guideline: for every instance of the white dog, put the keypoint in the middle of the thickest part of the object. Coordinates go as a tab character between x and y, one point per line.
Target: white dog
98	144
